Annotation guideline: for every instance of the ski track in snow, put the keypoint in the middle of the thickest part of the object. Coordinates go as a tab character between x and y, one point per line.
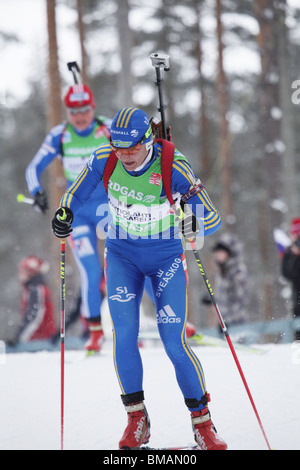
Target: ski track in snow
95	418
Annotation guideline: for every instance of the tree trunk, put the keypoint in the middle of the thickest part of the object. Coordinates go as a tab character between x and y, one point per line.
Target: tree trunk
272	149
54	107
125	76
81	30
290	194
54	117
224	135
203	124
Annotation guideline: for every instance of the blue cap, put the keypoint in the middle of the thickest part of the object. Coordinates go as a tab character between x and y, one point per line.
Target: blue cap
129	127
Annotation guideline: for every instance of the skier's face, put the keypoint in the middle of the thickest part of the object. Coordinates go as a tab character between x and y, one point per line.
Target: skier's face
131	160
82	118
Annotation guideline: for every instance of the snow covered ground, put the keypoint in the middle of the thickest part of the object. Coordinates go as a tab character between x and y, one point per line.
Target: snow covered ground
95	418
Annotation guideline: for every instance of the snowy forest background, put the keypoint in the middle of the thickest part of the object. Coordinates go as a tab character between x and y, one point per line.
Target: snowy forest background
232	104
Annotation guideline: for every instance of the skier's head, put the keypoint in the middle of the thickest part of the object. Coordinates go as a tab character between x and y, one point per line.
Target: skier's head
31	266
79	96
131	127
80	103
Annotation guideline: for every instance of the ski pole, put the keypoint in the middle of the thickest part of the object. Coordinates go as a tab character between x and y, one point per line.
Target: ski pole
225	331
23	198
159	60
62	331
62	335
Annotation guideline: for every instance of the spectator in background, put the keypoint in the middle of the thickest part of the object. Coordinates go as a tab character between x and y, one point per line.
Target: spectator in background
291	268
231	280
37	312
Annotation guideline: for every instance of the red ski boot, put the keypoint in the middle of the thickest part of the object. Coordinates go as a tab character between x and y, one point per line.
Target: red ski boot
96	338
137	431
205	433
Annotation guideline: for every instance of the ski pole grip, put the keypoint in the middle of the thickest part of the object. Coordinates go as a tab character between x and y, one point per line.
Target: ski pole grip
63	216
20	197
179	213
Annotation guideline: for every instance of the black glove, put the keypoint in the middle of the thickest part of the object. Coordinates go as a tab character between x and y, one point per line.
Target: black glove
188	226
61	223
41	202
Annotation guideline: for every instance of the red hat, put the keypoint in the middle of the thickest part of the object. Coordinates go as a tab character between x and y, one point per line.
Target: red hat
79	95
295	226
33	265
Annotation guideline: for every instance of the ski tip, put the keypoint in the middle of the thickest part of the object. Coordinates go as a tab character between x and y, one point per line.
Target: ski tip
92	353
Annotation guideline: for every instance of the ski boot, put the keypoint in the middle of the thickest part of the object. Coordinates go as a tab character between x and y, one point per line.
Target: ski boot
137	431
96	339
204	431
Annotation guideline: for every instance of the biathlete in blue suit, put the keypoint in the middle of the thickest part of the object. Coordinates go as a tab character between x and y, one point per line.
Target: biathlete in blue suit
73	142
146	238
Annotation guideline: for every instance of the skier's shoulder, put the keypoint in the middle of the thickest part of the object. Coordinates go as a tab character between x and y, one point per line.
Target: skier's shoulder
102	152
162	151
182	169
57	130
99	156
54	136
100	119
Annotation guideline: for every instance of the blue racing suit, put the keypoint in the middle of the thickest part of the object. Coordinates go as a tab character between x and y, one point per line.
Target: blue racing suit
74	148
129	258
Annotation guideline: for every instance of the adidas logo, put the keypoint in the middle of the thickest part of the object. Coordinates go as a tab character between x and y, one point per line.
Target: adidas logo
166	315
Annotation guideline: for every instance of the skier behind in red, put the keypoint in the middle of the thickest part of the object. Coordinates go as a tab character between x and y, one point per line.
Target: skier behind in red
145	239
37	312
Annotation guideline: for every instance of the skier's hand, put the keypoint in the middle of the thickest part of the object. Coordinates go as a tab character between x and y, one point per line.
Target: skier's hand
41	202
61	223
187	224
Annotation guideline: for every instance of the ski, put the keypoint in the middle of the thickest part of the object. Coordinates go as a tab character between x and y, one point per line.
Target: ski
204	340
183	448
92	353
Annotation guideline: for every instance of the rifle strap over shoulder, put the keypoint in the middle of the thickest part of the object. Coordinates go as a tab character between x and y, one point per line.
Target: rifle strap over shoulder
109	168
167	156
